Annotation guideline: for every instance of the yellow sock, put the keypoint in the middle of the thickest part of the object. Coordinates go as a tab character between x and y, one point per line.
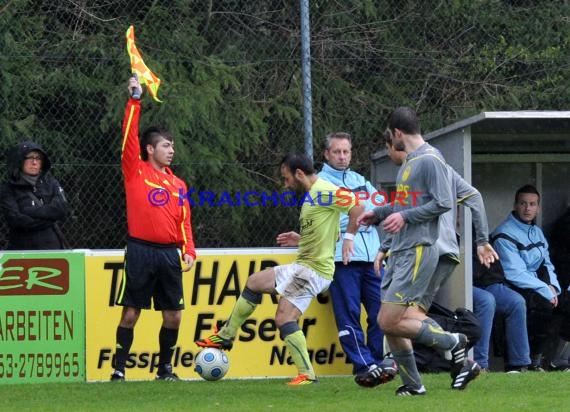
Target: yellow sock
297	346
241	311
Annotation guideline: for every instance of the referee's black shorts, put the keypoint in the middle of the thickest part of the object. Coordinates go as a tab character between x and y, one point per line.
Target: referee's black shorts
151	270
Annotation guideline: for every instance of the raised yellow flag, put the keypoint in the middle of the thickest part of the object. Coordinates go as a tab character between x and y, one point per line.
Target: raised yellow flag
139	68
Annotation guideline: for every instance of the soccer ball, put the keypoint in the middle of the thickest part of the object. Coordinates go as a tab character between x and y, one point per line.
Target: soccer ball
212	364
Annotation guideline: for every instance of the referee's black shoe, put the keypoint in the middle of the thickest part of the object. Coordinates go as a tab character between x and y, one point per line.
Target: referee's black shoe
117	376
165	374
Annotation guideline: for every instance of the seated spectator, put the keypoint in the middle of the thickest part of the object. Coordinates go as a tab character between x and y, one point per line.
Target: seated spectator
491	296
524	254
32	200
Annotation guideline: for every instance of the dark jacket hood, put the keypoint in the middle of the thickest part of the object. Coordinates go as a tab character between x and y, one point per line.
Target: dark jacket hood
15	157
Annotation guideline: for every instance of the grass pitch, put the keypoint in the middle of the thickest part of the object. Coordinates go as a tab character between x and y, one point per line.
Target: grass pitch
488	393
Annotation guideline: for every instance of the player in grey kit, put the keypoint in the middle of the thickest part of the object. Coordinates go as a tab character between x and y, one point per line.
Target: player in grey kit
425	184
448	246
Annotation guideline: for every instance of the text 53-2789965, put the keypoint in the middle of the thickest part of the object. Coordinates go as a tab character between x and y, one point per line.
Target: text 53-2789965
38	365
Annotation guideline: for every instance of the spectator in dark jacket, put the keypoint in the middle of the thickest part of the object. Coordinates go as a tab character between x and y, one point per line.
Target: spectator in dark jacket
32	200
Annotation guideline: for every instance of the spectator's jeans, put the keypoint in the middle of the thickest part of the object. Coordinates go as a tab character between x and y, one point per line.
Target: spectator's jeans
511	305
484	308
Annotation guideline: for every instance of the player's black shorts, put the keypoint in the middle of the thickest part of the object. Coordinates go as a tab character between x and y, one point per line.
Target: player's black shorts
151	270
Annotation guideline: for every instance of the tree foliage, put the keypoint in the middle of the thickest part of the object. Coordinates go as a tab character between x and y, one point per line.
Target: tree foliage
232	88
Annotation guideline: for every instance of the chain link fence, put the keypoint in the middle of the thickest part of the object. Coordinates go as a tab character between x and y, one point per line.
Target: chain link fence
232	89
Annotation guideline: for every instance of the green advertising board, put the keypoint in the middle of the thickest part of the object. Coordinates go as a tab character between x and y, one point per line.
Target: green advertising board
42	317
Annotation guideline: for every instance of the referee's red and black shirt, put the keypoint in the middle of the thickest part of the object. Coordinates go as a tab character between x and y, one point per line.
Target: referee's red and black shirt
164	222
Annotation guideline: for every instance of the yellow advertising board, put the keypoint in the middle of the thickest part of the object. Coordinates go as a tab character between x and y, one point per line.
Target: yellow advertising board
211	289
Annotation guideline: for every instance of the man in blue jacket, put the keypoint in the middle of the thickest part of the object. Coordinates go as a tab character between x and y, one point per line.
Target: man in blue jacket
525	258
356	283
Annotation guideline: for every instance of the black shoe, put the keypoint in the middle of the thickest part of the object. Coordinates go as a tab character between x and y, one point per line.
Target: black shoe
117	376
535	368
457	353
377	375
406	390
560	368
468	372
165	374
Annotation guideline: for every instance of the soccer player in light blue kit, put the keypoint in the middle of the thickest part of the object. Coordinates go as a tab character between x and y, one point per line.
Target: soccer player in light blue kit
356	284
414	225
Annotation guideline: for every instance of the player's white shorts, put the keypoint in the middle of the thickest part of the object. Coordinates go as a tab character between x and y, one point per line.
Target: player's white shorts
299	284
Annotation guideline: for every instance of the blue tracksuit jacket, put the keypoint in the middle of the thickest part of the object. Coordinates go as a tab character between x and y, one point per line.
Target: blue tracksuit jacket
522	248
355	284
